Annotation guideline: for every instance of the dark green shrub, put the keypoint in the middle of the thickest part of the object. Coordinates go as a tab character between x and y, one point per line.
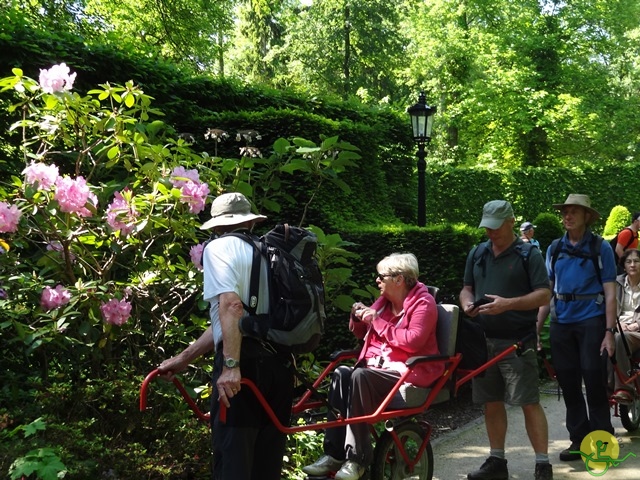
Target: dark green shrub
548	228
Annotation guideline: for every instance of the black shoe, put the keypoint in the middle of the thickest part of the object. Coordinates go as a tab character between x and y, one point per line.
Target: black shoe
544	471
571	453
493	468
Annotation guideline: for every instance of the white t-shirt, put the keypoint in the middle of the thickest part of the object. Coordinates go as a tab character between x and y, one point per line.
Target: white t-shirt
227	268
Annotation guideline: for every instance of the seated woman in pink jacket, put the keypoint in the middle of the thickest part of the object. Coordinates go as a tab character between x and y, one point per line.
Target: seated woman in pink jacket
399	325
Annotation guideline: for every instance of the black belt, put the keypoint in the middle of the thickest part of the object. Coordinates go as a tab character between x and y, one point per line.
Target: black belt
570	297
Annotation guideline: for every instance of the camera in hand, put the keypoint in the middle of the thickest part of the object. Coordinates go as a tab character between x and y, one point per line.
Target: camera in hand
481	301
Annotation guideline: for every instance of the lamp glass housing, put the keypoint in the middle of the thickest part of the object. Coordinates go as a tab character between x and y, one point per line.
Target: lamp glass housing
421	119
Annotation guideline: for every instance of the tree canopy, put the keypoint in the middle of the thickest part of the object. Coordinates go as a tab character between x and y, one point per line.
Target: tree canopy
531	83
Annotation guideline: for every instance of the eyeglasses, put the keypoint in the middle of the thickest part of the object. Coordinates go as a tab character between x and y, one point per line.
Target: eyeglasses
382	276
631	261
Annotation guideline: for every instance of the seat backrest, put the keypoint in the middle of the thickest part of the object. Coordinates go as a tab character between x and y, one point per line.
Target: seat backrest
433	291
447	328
446	333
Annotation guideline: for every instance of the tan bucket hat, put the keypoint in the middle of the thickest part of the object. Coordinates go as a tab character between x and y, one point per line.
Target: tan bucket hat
579	200
230	209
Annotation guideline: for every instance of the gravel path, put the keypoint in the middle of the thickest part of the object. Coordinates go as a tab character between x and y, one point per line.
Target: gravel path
453	414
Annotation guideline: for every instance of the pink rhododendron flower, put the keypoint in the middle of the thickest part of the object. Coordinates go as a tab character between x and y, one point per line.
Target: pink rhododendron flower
57	79
45	175
180	176
116	312
73	195
196	255
9	217
121	213
54	297
56	246
195	194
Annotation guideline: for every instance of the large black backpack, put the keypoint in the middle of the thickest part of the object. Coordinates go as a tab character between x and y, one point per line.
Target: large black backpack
296	290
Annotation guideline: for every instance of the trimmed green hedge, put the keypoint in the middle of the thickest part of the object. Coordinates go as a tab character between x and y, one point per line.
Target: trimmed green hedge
457	195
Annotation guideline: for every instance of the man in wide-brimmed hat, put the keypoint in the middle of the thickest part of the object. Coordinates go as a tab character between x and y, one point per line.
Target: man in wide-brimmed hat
248	446
582	272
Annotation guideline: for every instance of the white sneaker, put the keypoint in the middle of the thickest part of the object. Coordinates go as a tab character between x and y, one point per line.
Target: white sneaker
350	471
323	466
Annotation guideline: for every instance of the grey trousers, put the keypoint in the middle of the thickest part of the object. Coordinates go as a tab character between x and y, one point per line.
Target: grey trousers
356	392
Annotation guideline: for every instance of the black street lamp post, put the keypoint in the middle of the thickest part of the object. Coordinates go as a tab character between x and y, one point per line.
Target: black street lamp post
422	122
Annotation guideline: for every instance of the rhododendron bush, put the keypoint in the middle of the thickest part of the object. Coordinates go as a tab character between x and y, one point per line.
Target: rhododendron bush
102	219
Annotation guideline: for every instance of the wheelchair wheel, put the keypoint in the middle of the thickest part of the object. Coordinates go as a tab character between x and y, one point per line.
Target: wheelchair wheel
388	463
630	414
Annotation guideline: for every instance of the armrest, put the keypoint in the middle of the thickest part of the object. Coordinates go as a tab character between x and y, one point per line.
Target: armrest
344	354
426	358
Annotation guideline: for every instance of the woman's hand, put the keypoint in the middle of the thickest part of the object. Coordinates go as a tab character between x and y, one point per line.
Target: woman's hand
362	313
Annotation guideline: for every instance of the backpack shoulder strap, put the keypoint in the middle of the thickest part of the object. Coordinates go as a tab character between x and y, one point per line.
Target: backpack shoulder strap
524	250
631	239
555	248
478	254
596	257
254	282
595	246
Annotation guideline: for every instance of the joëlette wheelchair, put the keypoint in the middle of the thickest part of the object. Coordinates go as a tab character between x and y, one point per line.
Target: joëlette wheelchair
403	449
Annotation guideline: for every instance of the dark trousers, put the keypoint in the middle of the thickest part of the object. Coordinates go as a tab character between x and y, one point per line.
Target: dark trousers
249	446
356	392
575	351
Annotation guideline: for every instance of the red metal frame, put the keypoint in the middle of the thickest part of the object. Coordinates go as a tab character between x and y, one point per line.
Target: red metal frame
631	380
382	413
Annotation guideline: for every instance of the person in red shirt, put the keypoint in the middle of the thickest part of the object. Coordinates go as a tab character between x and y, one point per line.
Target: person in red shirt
628	236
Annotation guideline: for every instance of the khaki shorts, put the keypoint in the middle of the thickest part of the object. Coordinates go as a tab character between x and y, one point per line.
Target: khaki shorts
513	380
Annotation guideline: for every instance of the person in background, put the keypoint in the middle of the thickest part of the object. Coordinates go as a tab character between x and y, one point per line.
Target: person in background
527	230
582	327
628	295
628	236
248	446
400	324
515	287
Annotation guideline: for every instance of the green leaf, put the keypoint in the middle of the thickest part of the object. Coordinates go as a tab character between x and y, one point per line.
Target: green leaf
129	100
34	427
294	165
281	146
329	143
303	142
113	152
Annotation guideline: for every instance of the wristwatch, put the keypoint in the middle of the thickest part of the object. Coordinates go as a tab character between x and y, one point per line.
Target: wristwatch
612	330
231	362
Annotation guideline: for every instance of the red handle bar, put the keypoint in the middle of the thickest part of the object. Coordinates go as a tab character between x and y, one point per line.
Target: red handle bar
205	417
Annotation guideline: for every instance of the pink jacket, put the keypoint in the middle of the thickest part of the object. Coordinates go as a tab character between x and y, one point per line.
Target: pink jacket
390	344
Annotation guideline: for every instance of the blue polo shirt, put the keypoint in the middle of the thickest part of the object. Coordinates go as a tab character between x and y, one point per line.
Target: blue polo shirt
577	275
